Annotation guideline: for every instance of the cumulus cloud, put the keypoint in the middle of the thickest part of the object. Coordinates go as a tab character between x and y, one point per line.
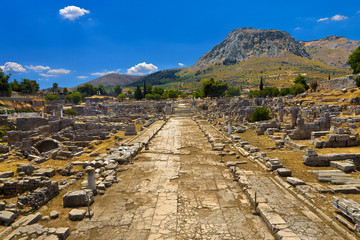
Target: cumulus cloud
82	77
338	17
181	64
58	71
142	69
13	67
73	12
323	19
47	75
105	72
37	68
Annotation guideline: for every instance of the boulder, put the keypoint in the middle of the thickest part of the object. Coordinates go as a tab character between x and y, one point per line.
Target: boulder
78	198
54	214
77	214
7	217
6	174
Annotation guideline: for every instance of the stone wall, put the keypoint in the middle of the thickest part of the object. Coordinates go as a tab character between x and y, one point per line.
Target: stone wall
337	84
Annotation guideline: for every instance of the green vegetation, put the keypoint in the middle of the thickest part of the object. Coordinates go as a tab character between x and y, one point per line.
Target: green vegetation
261	86
5	89
260	114
88	90
232	92
300	79
212	88
121	97
297	89
70	112
138	94
51	97
26	86
354	60
54	88
357	81
117	90
74	97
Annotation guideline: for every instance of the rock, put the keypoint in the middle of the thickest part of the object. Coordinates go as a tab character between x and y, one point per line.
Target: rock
63	181
7	217
2	206
284	172
6	174
62	233
295	181
26	168
54	214
45	218
77	214
78	198
45	172
310	153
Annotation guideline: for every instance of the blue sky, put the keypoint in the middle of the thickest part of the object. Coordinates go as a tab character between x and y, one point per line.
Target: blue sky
71	42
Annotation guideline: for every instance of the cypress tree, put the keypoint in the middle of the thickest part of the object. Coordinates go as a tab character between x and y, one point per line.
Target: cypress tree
145	91
138	94
261	87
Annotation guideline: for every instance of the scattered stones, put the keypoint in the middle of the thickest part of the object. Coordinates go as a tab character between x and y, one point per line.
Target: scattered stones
54	214
295	181
77	214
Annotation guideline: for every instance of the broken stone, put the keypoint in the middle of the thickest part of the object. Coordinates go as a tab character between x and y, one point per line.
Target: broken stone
77	214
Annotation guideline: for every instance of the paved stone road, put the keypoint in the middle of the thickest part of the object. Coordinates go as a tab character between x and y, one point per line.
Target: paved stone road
176	190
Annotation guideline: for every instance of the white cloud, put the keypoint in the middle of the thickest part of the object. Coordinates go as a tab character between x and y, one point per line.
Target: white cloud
181	64
82	77
142	69
298	28
105	72
323	19
73	12
13	67
58	71
38	68
338	17
46	75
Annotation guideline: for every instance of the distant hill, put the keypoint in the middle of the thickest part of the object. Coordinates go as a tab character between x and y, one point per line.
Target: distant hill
114	79
243	43
332	50
159	78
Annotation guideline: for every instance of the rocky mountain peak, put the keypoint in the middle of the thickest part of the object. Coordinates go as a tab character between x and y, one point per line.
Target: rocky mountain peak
243	43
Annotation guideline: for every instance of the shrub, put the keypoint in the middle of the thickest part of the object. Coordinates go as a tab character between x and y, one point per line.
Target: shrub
74	97
297	89
260	114
71	112
357	81
121	97
51	97
285	91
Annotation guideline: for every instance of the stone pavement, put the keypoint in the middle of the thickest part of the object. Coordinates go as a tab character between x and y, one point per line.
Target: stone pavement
175	190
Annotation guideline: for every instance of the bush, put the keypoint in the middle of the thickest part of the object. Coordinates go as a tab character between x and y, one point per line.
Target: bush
154	96
357	81
297	89
285	91
254	93
74	97
52	97
70	112
121	97
260	114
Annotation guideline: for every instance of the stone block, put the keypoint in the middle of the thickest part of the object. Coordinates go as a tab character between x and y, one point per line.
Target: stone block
77	214
6	174
7	217
295	181
62	233
78	198
284	172
54	214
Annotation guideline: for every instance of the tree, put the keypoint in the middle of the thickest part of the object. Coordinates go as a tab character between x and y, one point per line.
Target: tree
54	88
260	114
171	93
86	90
357	81
297	89
5	89
130	92
158	90
117	90
121	97
300	79
28	86
51	97
199	93
261	87
138	94
145	91
74	97
15	86
232	91
329	77
65	90
270	92
212	88
354	61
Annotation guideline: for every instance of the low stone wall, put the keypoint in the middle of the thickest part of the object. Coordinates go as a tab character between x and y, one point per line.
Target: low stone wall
337	84
15	187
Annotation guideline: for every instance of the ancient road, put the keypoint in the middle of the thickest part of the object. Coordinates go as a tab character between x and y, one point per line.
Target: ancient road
175	190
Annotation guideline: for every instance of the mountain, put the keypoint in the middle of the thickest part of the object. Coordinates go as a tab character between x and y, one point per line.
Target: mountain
114	79
243	43
159	78
332	50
